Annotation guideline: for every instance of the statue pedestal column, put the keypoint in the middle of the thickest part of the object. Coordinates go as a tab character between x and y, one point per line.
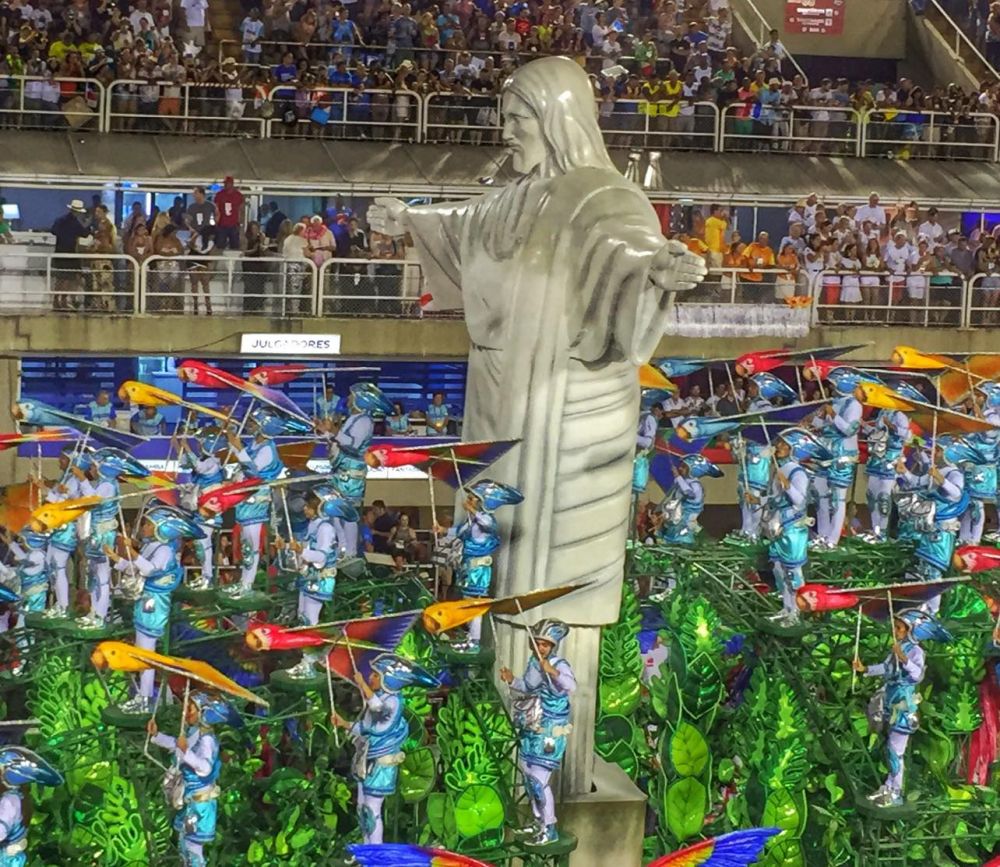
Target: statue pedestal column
608	822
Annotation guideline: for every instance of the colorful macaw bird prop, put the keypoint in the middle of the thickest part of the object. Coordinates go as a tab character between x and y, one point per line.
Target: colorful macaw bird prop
737	849
7	596
976	558
48	435
16	504
956	375
406	855
51	516
761	362
445	616
650	377
119	656
35	412
158	483
874	601
278	374
355	643
206	375
993	862
697	429
447	462
149	395
222	498
927	417
750	362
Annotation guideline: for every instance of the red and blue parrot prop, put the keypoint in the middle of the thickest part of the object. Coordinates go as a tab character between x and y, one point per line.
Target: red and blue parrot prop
738	849
405	855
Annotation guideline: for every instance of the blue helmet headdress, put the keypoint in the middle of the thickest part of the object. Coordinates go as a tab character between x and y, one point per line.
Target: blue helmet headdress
991	391
960	451
369	398
804	445
33	539
398	672
78	457
651	397
211	440
273	424
333	504
700	466
215	710
20	766
845	379
771	387
494	494
112	463
923	626
551	630
170	524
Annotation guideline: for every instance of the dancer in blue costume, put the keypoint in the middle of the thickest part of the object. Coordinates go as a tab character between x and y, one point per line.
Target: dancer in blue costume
206	472
894	707
753	477
888	434
479	534
348	468
195	774
645	441
64	540
259	459
541	708
942	502
19	767
785	523
380	734
158	564
837	424
684	502
102	480
315	559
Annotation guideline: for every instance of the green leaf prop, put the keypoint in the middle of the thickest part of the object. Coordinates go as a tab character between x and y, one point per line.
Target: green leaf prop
620	695
685	808
688	751
781	810
417	775
478	809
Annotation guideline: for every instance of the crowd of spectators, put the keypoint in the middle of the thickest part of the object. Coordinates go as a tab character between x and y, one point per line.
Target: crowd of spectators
867	263
277	256
358	70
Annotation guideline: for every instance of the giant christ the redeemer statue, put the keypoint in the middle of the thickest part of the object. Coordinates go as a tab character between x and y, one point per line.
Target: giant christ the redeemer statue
565	280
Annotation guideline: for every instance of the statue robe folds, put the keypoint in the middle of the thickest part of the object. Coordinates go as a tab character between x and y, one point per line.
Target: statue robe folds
553	278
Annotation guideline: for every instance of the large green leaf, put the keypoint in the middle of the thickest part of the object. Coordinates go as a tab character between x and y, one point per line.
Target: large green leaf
417	775
441	818
688	751
782	810
685	807
478	809
620	695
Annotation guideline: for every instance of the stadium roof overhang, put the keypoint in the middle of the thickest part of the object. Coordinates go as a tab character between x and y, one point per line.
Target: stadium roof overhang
313	167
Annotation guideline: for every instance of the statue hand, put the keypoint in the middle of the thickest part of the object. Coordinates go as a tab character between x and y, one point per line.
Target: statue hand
385	216
676	269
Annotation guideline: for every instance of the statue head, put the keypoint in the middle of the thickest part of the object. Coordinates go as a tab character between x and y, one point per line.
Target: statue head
550	119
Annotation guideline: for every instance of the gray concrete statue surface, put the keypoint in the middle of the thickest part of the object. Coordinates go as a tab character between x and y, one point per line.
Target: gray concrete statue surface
565	280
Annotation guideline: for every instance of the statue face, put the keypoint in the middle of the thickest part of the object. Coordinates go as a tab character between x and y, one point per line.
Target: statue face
522	135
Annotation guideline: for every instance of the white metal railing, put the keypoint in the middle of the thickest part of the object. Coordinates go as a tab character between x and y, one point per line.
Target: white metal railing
639	123
345	113
117	284
919	298
475	119
92	283
366	287
930	134
982	300
229	285
819	130
747	285
958	41
33	102
143	105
